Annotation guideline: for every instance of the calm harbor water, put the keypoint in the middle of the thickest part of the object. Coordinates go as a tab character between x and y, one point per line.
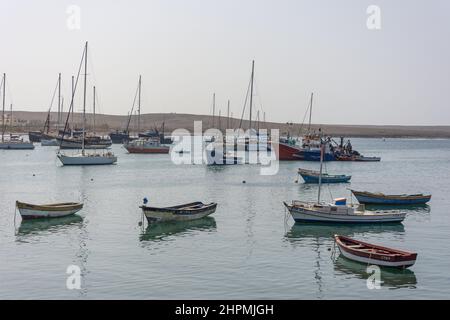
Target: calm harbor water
250	248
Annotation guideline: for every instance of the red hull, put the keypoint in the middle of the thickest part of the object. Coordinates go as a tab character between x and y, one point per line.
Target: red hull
288	152
147	150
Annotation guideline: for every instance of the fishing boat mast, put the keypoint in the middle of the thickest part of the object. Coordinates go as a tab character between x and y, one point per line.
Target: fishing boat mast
84	100
3	112
310	112
320	172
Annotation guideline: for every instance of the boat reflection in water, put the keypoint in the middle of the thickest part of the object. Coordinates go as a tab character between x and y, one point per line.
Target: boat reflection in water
49	225
391	278
164	230
306	232
320	237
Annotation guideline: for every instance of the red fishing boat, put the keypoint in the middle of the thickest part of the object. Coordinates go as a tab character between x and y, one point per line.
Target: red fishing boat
373	254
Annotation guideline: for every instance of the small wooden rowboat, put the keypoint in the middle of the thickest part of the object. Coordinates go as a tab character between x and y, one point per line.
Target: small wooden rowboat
183	212
311	176
372	254
33	211
398	199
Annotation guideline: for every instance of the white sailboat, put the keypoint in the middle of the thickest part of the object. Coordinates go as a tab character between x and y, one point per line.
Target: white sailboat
85	158
338	212
14	142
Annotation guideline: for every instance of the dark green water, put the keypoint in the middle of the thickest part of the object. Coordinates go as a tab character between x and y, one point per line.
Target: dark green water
250	248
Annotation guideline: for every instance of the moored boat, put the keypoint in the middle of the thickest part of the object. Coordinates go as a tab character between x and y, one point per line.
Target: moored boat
374	254
303	211
184	212
384	199
146	145
339	211
311	176
33	211
87	159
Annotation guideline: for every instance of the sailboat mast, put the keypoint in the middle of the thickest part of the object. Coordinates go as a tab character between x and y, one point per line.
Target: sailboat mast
228	115
73	94
139	106
59	100
251	94
320	173
3	112
214	110
84	99
10	120
93	129
310	112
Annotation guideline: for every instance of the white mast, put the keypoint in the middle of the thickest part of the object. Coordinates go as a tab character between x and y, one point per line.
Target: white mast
251	94
3	112
139	106
84	100
320	173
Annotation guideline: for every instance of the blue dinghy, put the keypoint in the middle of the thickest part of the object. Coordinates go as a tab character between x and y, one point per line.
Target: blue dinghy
398	199
311	176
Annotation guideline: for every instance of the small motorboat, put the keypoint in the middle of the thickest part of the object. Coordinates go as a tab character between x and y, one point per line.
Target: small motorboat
311	176
55	210
399	199
373	254
183	212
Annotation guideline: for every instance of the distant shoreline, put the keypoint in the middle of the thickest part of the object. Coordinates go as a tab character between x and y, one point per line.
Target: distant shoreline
107	123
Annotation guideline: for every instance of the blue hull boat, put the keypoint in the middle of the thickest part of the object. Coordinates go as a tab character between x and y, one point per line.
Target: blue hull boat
311	176
400	199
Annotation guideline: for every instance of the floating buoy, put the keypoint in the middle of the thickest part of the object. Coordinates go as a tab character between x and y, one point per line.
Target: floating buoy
243	181
34	175
92	179
296	181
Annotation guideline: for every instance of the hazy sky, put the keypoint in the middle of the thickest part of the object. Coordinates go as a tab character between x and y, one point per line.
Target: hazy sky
188	49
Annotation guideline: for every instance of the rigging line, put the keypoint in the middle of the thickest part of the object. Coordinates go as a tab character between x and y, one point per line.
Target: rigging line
328	185
132	108
258	94
53	97
304	118
245	102
11	100
73	95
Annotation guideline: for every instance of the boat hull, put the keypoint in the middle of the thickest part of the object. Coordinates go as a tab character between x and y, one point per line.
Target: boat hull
16	145
35	136
49	143
174	214
314	178
302	215
288	152
369	198
86	160
372	254
30	211
158	150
